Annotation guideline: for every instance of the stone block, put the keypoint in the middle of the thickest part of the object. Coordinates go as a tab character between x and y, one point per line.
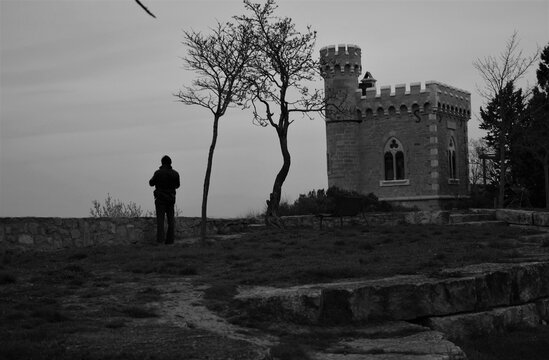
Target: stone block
33	228
25	239
297	304
464	290
427	217
121	233
462	326
519	217
543	309
423	345
541	218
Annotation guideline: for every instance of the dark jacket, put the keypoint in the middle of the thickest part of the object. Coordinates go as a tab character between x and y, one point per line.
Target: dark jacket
166	180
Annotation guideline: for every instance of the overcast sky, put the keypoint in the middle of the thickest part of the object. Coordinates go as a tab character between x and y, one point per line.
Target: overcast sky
87	105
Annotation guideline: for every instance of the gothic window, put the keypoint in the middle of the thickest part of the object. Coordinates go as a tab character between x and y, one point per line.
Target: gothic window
452	158
394	160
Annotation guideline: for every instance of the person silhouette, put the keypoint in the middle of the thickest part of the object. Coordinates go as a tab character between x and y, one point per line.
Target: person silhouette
165	180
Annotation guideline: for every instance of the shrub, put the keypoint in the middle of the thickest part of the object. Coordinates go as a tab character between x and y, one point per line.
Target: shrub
115	208
321	201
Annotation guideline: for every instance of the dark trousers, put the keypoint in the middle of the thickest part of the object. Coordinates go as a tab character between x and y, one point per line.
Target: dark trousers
164	210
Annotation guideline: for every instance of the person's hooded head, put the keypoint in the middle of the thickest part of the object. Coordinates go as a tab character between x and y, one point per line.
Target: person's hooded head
166	161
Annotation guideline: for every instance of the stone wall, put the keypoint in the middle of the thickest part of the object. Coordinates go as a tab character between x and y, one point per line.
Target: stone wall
56	233
523	217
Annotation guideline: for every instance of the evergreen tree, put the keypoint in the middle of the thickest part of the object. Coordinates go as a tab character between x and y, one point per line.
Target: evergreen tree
498	74
535	137
501	119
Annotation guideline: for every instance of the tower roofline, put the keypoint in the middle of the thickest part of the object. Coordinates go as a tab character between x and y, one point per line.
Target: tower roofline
418	87
338	48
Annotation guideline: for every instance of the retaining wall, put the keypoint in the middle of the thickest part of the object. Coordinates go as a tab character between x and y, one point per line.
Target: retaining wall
523	217
55	233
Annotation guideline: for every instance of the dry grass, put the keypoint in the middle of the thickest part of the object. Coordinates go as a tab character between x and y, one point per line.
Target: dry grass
110	287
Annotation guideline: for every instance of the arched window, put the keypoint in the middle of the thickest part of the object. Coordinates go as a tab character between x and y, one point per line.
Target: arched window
394	160
452	165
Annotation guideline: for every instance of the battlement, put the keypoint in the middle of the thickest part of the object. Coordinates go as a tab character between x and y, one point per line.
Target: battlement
418	88
339	50
340	59
432	95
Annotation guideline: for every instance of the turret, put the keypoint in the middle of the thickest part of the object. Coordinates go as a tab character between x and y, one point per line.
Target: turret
340	67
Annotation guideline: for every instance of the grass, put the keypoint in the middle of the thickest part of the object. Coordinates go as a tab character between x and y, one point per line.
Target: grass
519	344
7	278
82	297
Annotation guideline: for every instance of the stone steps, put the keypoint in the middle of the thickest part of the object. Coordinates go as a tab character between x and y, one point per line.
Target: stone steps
471	217
392	340
469	289
481	223
409	317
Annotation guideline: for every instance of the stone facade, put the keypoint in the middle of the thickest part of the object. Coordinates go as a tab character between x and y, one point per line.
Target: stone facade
406	144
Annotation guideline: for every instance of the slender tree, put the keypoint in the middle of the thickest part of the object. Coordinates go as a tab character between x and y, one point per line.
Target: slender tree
220	59
284	62
497	73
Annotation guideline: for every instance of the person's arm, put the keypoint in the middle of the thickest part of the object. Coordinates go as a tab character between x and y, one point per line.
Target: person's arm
177	181
152	181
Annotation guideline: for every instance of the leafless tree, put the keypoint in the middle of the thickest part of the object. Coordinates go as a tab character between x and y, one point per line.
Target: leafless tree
219	59
481	169
284	62
496	73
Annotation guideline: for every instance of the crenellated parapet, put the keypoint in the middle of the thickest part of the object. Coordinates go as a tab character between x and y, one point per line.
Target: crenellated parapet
343	59
432	96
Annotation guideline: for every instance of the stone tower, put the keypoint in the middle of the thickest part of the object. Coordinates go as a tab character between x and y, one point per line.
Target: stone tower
406	144
340	68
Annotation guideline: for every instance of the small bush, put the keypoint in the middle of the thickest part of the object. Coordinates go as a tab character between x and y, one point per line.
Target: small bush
112	208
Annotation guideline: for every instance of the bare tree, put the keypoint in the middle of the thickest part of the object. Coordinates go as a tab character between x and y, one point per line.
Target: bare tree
220	59
284	61
481	170
497	72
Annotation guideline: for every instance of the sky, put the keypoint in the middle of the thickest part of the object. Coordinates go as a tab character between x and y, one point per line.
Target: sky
87	105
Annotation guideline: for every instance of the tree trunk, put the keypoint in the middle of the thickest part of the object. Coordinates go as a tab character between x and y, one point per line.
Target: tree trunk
501	195
546	176
272	216
204	223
